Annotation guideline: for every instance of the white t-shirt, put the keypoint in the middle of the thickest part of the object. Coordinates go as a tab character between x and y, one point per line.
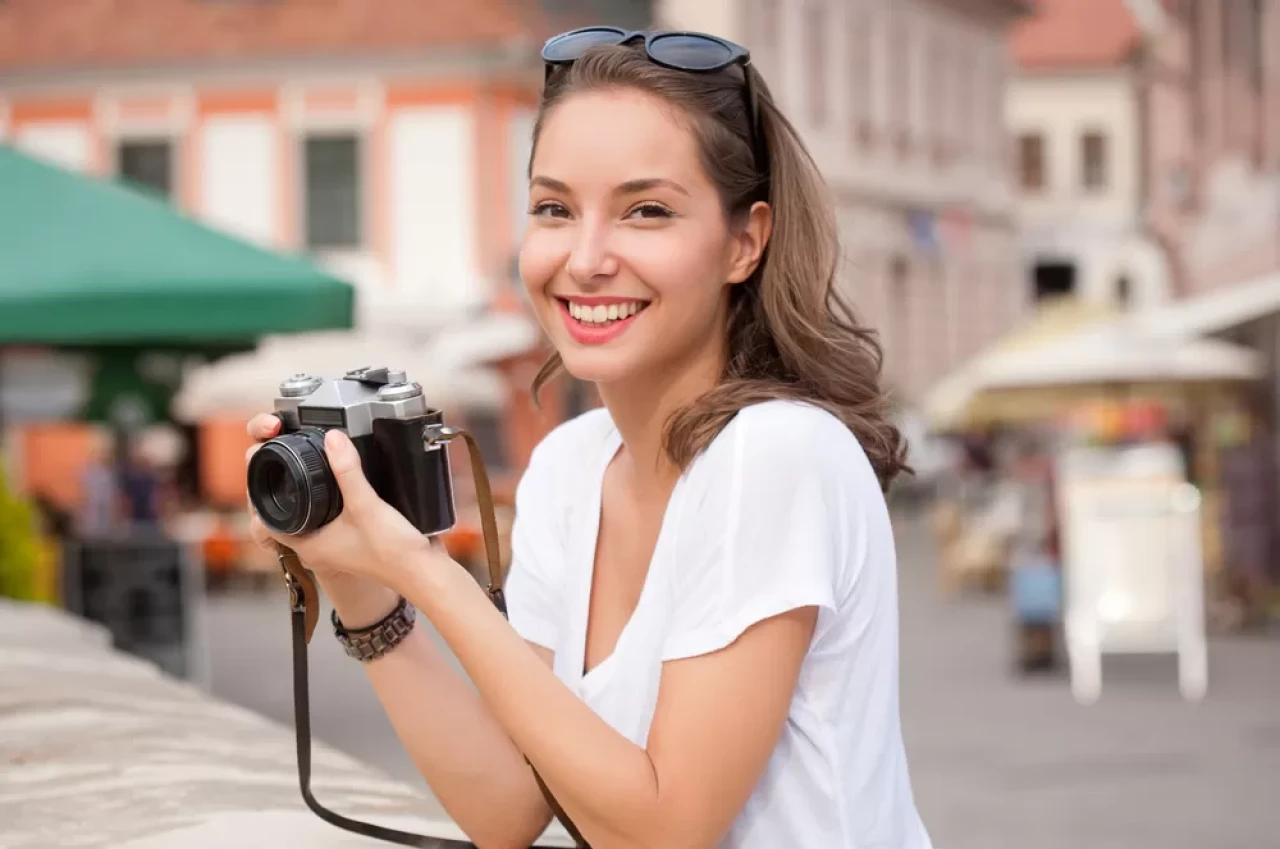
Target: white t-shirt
781	511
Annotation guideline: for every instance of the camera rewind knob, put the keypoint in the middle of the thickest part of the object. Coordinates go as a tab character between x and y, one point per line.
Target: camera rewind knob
299	386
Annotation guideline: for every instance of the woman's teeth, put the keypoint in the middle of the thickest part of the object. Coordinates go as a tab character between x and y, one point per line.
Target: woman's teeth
601	314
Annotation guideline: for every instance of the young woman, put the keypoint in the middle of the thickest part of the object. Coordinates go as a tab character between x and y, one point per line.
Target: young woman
703	645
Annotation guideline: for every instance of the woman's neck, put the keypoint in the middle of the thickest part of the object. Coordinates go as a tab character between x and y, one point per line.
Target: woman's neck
640	409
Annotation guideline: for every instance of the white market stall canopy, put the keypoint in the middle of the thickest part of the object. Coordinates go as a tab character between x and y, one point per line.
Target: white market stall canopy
1095	350
1215	311
453	366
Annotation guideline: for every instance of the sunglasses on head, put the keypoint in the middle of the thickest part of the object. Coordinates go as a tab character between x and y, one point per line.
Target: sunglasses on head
695	52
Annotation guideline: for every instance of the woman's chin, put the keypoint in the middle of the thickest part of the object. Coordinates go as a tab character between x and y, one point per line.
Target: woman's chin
597	367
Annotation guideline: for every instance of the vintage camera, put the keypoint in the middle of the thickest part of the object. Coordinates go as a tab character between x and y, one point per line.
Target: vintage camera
401	441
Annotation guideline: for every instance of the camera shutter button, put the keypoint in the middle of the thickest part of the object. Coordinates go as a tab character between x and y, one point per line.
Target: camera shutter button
399	391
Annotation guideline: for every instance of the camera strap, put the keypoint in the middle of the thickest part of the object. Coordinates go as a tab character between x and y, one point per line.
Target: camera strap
304	608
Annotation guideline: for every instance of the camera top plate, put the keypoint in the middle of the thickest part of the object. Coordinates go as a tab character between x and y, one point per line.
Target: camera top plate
351	402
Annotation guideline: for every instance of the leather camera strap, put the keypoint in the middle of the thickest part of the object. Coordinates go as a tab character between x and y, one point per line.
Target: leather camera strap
304	607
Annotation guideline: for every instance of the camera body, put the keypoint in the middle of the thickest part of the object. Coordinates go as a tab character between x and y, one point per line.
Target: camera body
401	442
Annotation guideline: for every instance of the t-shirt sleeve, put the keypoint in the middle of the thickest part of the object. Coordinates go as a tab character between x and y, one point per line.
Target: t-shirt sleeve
768	534
533	585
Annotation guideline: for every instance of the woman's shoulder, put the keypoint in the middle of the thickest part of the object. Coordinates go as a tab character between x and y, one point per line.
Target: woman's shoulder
797	439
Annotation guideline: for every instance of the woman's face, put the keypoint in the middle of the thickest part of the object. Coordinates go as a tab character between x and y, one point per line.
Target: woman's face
628	254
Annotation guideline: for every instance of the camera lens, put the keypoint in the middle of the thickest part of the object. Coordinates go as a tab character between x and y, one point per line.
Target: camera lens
282	488
290	484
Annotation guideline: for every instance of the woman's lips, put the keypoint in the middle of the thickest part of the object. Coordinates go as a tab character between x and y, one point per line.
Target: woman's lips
593	332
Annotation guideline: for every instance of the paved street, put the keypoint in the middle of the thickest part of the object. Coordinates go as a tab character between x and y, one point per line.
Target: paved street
997	761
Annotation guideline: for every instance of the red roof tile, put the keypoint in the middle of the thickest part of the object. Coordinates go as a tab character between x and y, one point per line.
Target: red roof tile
98	33
1075	34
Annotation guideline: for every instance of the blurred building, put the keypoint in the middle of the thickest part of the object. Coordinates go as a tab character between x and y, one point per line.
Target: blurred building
1214	169
1075	109
387	139
901	102
1147	145
1148	157
1148	154
1212	164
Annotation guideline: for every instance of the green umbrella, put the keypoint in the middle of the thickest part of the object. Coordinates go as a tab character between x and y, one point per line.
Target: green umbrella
87	262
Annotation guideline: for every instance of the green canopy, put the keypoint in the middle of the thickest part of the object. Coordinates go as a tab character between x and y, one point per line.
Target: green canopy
87	262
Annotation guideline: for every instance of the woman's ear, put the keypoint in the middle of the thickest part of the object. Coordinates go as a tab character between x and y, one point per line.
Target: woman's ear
750	242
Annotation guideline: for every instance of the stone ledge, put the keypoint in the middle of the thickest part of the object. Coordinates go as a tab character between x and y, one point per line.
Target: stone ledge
101	750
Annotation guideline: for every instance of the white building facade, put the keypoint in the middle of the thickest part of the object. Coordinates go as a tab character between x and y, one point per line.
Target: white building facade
1075	111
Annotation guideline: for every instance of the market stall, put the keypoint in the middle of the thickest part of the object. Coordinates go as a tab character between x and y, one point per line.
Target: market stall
1080	376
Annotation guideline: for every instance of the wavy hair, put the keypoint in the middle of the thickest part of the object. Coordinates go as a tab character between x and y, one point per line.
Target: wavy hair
791	332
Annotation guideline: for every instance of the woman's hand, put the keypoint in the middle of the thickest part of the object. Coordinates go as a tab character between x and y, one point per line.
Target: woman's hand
369	542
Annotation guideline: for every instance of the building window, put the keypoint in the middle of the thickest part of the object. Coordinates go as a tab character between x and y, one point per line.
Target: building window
1124	292
147	164
332	180
1031	171
946	99
996	144
1053	280
968	101
1093	160
861	74
815	22
902	79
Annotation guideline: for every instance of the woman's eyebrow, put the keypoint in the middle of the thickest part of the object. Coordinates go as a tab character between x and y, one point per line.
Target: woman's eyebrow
630	187
551	183
646	184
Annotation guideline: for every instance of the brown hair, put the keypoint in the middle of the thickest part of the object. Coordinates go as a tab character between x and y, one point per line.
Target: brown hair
791	332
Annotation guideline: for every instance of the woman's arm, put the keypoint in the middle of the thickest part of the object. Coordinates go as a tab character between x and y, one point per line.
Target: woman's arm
458	746
702	760
461	750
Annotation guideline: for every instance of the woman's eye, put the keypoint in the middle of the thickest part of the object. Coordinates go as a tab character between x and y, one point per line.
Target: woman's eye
650	210
549	209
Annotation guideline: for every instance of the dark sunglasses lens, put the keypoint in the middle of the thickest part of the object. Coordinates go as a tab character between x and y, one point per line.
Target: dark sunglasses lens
571	46
690	52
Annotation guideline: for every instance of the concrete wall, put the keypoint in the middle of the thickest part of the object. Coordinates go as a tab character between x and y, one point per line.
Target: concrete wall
102	751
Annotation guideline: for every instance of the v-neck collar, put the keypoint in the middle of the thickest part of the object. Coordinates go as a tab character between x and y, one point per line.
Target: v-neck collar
585	554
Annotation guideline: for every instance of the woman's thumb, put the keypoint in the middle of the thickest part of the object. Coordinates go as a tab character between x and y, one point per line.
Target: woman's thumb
344	462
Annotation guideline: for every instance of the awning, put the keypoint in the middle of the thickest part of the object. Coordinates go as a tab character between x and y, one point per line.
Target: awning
1098	353
1217	311
453	367
86	262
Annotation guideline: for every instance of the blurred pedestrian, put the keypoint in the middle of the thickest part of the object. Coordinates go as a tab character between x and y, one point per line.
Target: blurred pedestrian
99	513
140	487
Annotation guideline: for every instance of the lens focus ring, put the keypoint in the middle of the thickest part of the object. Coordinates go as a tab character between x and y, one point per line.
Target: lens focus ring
290	484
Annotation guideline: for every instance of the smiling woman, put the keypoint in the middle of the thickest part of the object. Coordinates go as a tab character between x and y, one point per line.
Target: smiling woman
703	645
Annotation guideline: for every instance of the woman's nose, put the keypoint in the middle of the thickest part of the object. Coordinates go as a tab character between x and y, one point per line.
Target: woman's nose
592	255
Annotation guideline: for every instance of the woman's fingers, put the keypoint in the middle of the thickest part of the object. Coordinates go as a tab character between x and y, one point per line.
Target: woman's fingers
260	428
258	532
263	426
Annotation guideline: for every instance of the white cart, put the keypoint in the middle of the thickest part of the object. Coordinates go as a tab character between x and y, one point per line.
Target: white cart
1133	562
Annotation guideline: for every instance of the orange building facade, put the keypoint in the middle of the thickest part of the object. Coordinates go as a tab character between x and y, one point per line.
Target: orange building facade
387	141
